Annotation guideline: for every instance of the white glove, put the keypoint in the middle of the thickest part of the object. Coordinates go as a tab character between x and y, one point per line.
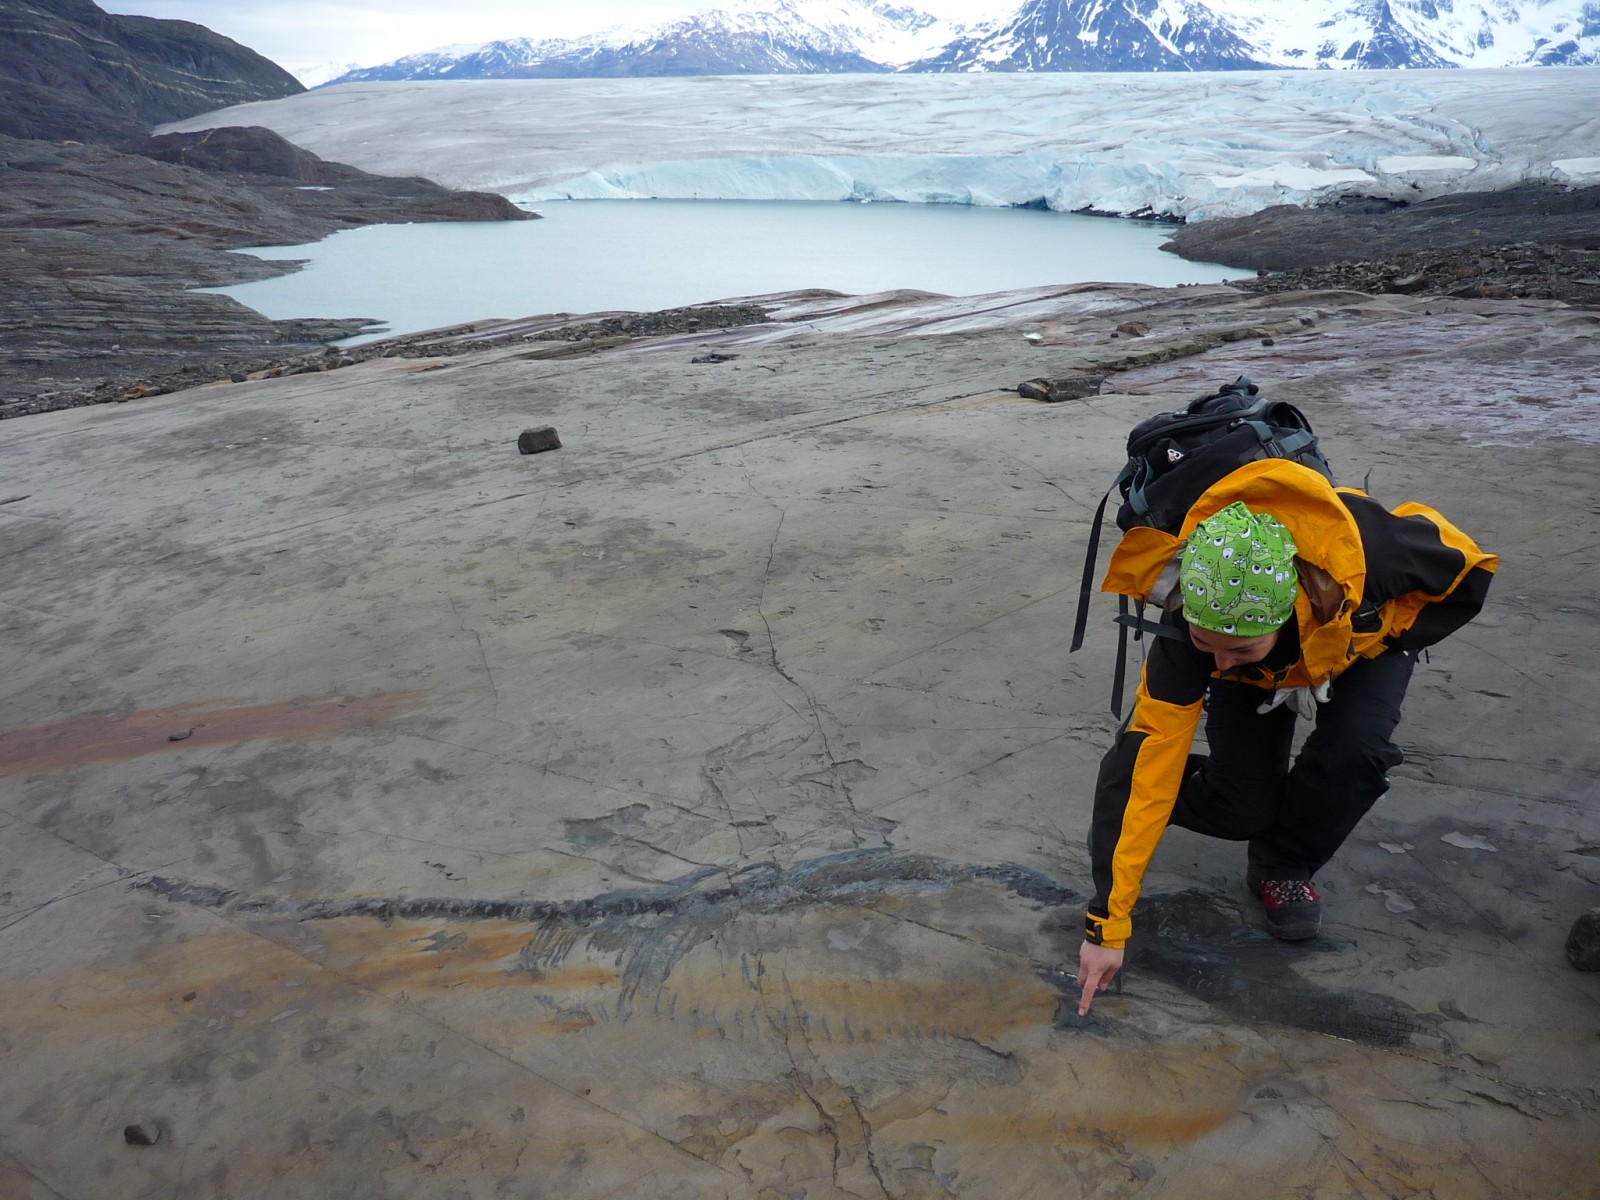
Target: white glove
1303	700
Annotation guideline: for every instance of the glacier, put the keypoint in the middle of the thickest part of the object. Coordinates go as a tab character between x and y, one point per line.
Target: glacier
1181	146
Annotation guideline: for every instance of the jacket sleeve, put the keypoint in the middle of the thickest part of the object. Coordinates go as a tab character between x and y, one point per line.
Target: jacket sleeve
1139	781
1425	576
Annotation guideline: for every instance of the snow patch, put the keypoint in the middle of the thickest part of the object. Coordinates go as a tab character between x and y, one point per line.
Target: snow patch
1404	164
1294	179
1585	169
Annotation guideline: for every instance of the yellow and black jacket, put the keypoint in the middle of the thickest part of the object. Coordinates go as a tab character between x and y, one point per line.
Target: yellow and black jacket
1371	580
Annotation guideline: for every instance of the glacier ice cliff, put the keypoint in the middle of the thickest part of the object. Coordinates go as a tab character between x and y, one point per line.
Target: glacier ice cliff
1189	146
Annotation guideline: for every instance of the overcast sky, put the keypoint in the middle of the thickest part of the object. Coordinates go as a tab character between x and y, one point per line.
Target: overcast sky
304	35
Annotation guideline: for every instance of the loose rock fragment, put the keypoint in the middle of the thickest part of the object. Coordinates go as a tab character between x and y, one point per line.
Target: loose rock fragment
144	1133
1583	942
1408	285
1067	387
533	441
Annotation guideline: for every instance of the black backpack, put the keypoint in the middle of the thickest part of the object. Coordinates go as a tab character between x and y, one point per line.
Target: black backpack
1173	457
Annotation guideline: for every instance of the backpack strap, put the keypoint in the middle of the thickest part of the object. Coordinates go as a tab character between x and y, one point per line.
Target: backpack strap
1141	625
1136	494
1084	589
1121	669
1281	447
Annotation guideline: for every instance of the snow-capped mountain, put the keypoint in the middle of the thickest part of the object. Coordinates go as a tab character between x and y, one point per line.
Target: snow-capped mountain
1093	35
317	75
1211	35
749	37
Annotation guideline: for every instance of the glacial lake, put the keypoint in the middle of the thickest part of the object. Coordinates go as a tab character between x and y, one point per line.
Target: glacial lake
643	255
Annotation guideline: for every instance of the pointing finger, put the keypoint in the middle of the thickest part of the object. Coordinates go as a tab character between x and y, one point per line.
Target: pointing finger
1090	982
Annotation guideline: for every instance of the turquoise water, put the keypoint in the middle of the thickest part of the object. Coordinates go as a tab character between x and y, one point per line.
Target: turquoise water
642	255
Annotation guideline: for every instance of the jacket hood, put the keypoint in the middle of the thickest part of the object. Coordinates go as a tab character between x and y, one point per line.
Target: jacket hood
1331	563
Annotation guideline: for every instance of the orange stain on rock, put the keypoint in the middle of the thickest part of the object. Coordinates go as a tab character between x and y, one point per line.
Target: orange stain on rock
81	741
256	977
407	956
570	1024
166	984
423	957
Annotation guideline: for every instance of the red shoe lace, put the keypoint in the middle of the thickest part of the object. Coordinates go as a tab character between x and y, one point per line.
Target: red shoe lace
1277	893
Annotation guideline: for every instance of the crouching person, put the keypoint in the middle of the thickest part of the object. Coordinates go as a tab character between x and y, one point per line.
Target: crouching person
1280	596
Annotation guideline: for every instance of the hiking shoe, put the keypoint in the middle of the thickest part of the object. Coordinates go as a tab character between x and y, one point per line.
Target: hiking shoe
1294	913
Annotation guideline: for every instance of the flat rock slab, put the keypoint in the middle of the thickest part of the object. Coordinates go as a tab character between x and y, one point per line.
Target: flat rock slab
699	811
1054	391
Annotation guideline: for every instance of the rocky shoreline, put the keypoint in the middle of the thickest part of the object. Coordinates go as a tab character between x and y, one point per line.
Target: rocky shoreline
1535	241
104	311
1520	270
102	247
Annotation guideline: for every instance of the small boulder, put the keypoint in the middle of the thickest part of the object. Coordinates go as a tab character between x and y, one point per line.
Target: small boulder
142	1133
1583	942
1067	387
1409	285
534	441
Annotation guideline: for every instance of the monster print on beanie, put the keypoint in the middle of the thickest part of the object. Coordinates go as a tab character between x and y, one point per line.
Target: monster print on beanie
1237	574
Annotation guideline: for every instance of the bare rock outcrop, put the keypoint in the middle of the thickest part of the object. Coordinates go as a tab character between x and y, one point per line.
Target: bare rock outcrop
1536	241
70	70
105	247
105	230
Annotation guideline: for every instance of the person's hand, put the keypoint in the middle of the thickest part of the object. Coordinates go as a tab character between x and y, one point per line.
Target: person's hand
1096	966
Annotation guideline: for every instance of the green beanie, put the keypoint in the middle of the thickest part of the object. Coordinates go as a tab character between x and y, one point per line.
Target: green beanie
1238	574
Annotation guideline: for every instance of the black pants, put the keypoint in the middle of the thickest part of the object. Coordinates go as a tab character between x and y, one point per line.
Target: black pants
1295	817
